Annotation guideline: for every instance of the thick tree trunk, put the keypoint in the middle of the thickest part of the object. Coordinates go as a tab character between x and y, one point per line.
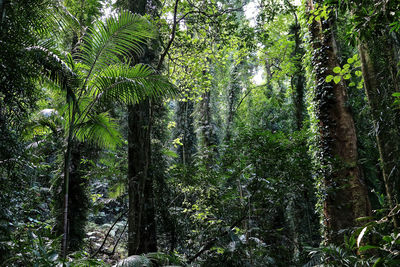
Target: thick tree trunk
75	217
298	79
141	216
380	81
346	197
142	236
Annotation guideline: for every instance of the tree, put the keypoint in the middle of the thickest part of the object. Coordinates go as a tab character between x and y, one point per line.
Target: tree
141	217
79	200
377	50
346	197
22	24
97	74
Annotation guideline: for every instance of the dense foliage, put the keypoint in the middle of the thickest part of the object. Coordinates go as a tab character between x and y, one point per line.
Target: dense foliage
199	133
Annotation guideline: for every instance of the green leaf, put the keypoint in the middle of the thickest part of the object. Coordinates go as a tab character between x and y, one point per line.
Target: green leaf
169	153
377	262
397	94
358	73
367	247
346	66
99	129
347	76
352	84
337	69
130	84
350	61
329	78
387	238
337	79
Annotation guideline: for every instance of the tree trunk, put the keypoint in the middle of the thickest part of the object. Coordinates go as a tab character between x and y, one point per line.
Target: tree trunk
141	216
346	197
380	81
298	80
67	162
207	135
233	94
185	126
142	236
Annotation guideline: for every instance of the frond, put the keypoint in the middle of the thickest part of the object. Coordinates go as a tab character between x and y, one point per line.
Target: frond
99	129
52	18
53	66
110	41
129	85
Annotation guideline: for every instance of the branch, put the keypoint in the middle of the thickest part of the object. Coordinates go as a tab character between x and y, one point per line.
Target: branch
108	233
120	236
241	100
171	39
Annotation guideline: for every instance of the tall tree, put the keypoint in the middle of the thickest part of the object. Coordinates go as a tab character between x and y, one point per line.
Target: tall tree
346	197
185	131
142	236
377	50
298	78
96	75
86	13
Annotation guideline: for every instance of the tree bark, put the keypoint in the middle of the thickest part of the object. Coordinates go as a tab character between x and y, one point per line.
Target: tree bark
346	197
185	126
233	94
208	137
142	236
298	79
380	82
67	161
141	217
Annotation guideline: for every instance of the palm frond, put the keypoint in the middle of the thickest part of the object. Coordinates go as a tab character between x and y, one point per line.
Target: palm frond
110	41
52	18
54	67
99	129
129	85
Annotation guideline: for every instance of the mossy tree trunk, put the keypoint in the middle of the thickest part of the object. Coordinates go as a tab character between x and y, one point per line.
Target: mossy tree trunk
380	82
233	94
346	197
298	78
78	200
208	138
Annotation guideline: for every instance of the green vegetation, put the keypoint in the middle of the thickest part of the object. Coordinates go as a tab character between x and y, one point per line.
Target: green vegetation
199	133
